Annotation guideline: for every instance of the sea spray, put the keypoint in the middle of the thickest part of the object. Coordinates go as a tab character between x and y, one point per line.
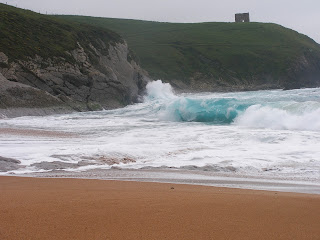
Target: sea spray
258	116
263	109
159	90
262	133
182	108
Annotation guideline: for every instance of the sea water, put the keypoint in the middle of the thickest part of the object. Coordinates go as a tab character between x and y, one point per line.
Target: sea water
259	133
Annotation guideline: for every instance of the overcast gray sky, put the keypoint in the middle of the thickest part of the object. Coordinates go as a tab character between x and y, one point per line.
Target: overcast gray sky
302	16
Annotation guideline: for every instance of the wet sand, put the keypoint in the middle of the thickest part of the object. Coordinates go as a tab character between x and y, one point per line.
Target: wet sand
192	177
36	133
34	208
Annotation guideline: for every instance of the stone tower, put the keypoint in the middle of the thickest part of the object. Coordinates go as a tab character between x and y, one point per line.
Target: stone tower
242	17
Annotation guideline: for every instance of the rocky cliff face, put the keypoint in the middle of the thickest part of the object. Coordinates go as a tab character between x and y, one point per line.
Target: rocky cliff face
305	72
302	73
98	77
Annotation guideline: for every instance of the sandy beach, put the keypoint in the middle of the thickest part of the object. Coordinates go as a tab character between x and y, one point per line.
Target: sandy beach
34	208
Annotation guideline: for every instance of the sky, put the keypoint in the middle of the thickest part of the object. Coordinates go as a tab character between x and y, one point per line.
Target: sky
302	16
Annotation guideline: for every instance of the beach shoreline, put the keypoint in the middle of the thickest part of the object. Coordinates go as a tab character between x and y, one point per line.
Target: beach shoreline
62	208
190	177
191	174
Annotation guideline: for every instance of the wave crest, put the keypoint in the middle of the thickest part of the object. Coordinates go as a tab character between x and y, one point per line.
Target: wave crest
159	90
263	109
258	116
218	111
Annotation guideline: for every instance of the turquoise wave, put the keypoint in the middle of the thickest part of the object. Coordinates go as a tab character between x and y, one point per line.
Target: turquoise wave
218	111
276	109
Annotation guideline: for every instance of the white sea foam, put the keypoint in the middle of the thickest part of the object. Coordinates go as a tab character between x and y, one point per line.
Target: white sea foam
264	132
159	90
258	116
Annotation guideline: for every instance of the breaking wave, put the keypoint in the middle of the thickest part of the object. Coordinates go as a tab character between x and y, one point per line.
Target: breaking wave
199	131
258	116
288	112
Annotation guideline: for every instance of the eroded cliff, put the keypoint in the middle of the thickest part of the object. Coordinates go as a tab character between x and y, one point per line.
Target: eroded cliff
107	80
217	56
104	80
50	65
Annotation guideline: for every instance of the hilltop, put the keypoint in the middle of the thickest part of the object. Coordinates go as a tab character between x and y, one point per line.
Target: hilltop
47	62
213	56
67	63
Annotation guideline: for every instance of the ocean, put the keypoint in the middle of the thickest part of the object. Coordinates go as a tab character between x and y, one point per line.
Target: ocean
262	134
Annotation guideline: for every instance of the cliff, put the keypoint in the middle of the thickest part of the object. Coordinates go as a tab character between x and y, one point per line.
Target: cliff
219	56
56	64
49	65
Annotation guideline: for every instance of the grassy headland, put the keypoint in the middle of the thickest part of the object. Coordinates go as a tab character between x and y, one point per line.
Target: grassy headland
25	33
221	55
78	64
212	50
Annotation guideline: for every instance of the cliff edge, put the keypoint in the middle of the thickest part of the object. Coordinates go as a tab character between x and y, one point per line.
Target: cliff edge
61	66
217	56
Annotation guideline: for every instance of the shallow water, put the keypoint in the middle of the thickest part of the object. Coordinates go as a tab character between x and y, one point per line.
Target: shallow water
261	133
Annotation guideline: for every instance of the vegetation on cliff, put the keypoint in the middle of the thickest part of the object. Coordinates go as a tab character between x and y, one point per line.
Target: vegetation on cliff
196	56
25	33
220	51
59	63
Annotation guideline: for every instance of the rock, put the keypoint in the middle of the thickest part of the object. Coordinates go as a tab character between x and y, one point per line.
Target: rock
9	160
304	72
103	80
9	164
3	58
18	99
58	165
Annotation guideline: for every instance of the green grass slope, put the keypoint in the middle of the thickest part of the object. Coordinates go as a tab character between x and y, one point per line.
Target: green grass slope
25	33
211	50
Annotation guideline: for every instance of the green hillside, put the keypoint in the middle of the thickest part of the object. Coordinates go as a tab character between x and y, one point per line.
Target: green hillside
25	33
81	67
215	50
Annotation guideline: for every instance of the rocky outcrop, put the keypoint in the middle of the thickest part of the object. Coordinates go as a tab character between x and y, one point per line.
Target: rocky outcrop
302	73
305	72
9	164
226	83
18	99
98	76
